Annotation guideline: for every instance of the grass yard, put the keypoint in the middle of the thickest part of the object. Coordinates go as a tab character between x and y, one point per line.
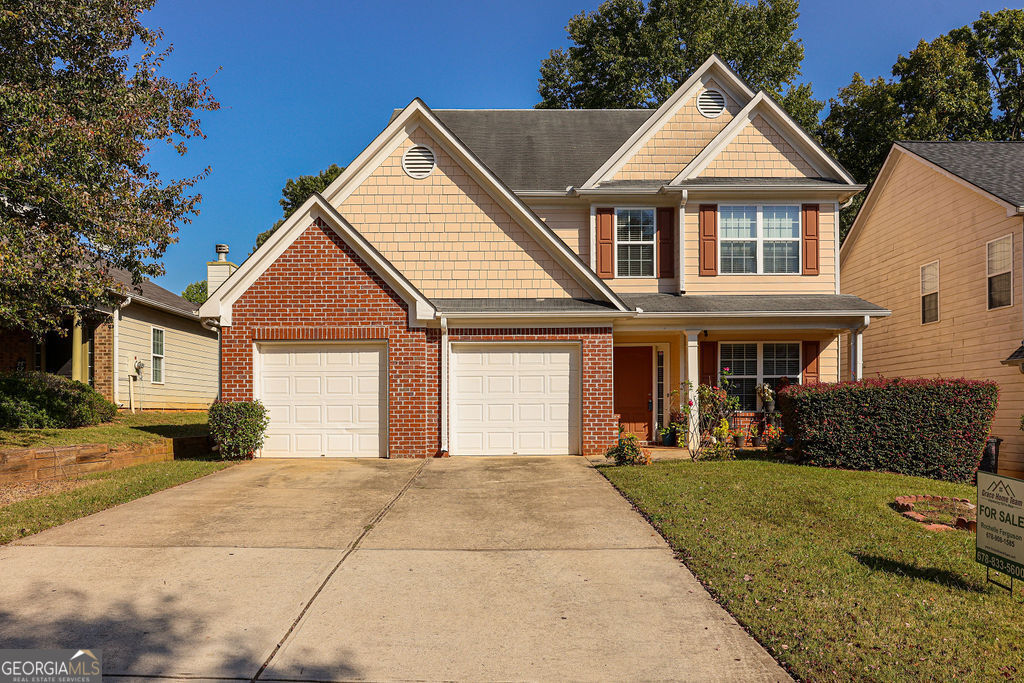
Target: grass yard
126	429
104	490
827	576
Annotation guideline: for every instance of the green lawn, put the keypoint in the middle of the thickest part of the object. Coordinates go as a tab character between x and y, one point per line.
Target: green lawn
827	576
126	429
106	489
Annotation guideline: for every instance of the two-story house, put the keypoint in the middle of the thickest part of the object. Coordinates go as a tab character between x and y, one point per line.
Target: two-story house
525	281
938	241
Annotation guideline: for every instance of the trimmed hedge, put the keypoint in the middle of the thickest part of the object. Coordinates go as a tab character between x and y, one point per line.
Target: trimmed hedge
38	400
238	427
932	428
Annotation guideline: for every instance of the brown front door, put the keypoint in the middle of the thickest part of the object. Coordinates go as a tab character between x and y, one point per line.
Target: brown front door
633	395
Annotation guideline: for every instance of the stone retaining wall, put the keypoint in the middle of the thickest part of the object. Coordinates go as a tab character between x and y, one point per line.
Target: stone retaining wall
65	462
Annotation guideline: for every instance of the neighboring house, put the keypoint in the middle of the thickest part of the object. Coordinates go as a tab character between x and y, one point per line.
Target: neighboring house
938	241
152	326
525	281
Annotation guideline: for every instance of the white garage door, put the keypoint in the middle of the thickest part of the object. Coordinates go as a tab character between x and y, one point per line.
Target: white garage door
515	399
323	400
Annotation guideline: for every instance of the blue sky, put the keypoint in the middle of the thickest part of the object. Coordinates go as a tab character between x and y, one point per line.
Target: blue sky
306	84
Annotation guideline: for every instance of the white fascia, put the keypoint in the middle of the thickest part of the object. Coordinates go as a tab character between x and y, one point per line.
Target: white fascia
765	106
421	311
712	69
418	114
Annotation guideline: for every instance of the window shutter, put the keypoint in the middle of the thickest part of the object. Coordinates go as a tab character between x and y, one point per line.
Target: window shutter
809	241
708	362
708	239
606	243
666	222
811	373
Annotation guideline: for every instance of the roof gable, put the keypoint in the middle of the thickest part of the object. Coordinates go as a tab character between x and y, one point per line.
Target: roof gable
994	167
765	124
418	116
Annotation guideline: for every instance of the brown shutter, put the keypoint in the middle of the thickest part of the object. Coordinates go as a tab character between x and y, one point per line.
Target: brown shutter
606	243
666	241
809	241
811	374
708	362
708	257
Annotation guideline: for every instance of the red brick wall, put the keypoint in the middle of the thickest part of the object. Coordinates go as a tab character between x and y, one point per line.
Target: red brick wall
14	347
319	289
103	358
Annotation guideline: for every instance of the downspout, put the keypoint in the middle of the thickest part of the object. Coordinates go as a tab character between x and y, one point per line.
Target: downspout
209	324
444	385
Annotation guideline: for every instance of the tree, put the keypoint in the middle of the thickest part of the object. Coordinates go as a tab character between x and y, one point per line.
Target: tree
631	55
196	292
295	192
76	191
965	85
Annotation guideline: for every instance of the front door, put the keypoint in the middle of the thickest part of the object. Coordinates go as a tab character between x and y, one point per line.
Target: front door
633	394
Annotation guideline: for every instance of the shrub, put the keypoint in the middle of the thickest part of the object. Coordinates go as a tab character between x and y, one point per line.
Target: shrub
36	400
924	427
629	450
238	427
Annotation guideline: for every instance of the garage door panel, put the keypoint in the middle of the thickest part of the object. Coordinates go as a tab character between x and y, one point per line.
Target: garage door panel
323	400
529	404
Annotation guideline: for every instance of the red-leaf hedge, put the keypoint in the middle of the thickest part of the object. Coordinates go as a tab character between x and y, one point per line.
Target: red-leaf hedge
923	427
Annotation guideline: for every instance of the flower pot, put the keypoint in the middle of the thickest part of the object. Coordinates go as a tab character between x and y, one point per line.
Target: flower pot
755	441
769	407
740	440
668	439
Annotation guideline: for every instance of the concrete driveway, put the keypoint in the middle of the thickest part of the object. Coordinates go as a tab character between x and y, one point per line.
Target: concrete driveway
460	569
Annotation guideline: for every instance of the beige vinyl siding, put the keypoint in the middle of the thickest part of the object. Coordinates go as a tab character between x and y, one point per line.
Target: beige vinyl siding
678	141
759	151
571	224
919	216
190	360
448	235
823	283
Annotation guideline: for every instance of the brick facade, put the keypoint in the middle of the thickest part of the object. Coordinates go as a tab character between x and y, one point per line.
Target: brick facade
320	289
103	358
16	348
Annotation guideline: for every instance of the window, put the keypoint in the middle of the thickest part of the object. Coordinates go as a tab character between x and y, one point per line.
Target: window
756	363
759	239
634	235
158	356
929	292
1000	272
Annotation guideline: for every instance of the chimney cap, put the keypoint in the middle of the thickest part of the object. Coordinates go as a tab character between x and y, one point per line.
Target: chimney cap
221	248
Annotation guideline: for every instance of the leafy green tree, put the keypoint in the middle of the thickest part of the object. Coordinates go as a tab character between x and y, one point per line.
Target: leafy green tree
965	85
629	54
77	118
295	192
196	292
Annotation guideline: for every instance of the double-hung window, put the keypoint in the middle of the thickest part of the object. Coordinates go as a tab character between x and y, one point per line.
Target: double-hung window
634	236
157	342
759	239
1000	272
750	364
929	292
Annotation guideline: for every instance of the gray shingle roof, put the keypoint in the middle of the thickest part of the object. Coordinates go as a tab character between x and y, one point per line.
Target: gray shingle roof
483	305
543	149
750	303
149	291
992	166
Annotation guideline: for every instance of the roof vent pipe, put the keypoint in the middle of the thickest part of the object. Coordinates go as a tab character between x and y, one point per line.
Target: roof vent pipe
222	252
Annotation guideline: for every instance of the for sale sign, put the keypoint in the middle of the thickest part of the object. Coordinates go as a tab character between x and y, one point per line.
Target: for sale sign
1000	539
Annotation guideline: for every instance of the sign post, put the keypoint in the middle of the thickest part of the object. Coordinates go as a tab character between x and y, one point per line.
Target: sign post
999	543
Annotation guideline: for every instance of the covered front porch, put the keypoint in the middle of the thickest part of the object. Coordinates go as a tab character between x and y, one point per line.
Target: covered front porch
660	357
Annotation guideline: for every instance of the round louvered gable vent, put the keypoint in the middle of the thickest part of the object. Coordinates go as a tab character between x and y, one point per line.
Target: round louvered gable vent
711	103
418	161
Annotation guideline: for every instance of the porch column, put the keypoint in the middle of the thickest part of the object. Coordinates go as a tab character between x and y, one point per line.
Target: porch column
692	377
857	349
76	349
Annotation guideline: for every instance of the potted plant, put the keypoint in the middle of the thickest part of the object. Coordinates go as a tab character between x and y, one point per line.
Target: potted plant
767	396
667	436
754	434
739	438
772	438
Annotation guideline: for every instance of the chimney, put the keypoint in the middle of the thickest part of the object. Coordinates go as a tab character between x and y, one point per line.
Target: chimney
218	271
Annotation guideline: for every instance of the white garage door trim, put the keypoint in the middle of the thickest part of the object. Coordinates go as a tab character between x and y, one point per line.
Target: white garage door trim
345	412
516	398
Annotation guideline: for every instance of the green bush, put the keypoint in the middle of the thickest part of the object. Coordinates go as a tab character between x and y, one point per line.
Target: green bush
37	400
628	450
932	428
238	428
